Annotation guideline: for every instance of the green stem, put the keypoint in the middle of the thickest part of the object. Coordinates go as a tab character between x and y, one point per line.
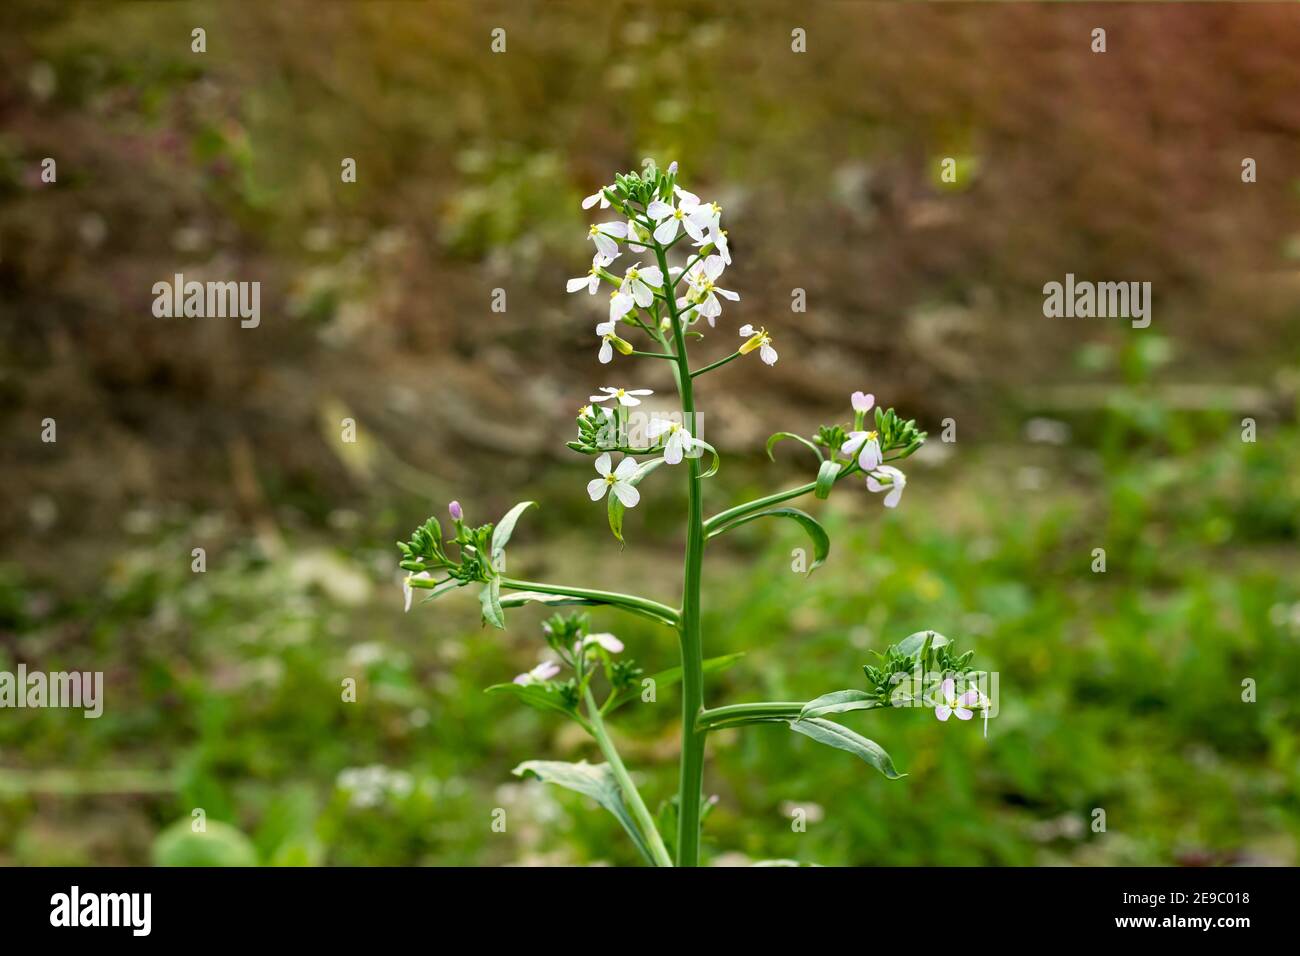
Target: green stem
717	364
723	518
630	793
733	714
691	778
628	602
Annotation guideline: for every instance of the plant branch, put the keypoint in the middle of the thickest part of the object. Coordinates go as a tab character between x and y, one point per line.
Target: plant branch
643	607
732	715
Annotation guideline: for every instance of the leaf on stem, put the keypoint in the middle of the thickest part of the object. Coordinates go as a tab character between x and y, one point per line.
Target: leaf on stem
838	702
834	735
780	436
593	780
490	599
820	539
504	529
541	696
826	476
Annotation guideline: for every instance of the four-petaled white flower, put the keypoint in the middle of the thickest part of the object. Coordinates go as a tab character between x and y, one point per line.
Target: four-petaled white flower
869	443
591	281
887	477
597	197
617	482
407	591
692	217
951	704
679	440
604	234
542	672
641	284
702	294
862	401
605	640
718	236
625	396
609	341
758	339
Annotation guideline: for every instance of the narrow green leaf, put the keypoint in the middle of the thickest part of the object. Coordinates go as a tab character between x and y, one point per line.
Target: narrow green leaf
820	539
780	436
541	696
833	735
441	589
838	702
717	459
593	780
502	532
490	599
826	478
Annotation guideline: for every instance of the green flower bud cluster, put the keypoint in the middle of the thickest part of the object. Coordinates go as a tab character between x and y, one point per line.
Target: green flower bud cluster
425	551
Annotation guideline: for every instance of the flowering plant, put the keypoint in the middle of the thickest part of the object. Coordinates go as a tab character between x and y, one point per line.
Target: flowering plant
665	305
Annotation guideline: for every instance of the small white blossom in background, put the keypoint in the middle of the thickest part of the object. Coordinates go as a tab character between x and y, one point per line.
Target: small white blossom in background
867	447
689	214
625	396
591	281
408	592
679	443
951	704
617	482
863	401
640	284
603	236
702	293
604	639
758	339
887	478
542	672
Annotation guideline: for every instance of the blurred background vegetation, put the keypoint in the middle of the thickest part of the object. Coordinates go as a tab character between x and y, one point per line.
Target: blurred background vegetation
1119	691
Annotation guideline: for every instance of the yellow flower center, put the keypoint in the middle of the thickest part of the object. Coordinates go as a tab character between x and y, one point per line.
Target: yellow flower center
632	275
593	231
872	436
610	479
620	393
677	214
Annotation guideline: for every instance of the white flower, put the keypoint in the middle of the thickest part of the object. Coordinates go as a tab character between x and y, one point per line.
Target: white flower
607	641
869	443
702	294
604	234
625	396
862	401
679	439
718	236
693	217
620	304
591	281
408	592
640	284
952	704
887	476
618	482
758	339
542	672
597	197
609	341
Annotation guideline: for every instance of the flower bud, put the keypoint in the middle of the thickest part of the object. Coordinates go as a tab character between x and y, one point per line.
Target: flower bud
621	344
455	510
753	342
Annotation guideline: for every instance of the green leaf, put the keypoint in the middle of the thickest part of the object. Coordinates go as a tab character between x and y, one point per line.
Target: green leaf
671	676
616	508
441	589
779	436
541	696
504	529
520	598
593	780
838	702
820	539
717	459
918	644
826	478
833	735
490	598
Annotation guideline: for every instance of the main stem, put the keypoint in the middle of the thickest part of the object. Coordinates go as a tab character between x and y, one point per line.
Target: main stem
691	779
